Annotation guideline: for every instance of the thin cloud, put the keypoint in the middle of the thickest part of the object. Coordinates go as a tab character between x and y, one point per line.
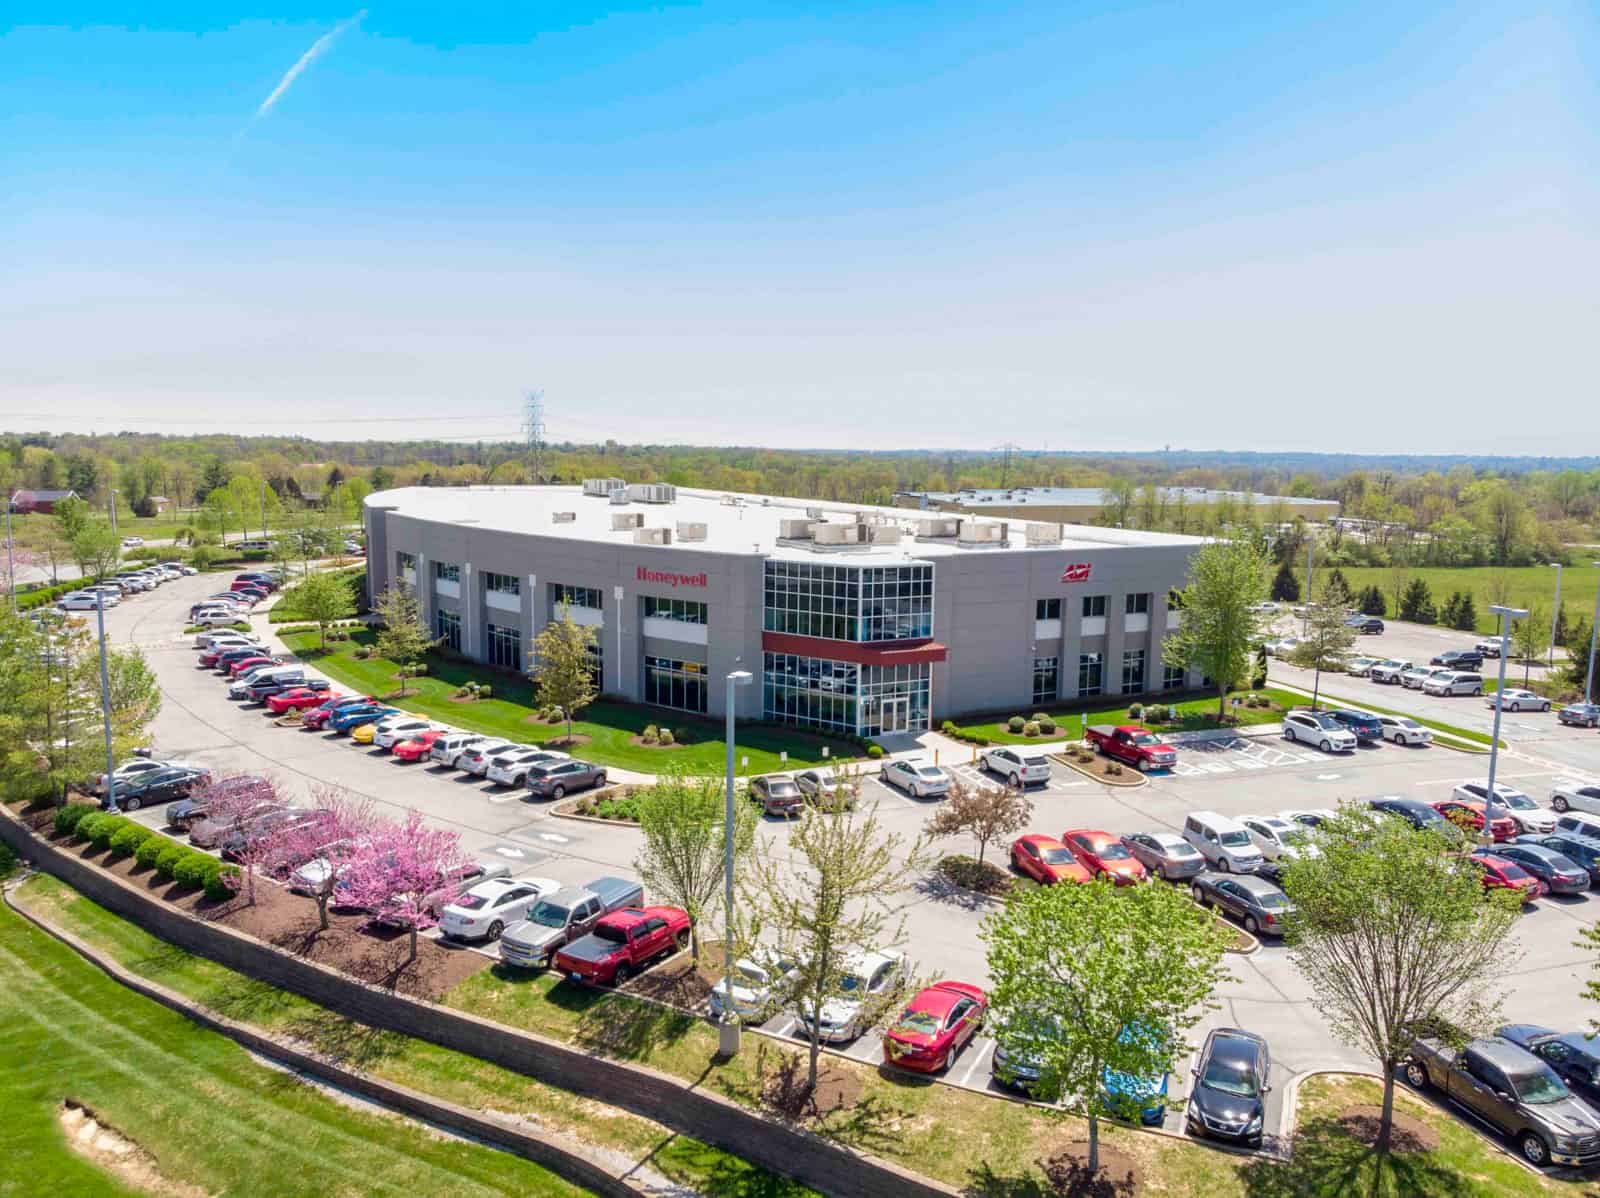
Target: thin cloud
318	48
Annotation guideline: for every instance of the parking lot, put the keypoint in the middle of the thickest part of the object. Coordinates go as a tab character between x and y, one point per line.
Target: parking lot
1239	775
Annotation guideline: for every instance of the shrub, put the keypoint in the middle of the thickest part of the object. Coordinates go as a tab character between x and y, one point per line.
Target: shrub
650	736
108	827
1113	768
418	670
221	882
171	857
84	828
190	872
874	751
1015	724
650	730
1046	725
8	861
948	728
667	737
1030	729
984	877
127	839
1038	717
146	854
1136	711
485	691
67	817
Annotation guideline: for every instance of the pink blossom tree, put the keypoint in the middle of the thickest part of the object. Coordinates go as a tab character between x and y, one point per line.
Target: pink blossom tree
347	821
231	805
399	870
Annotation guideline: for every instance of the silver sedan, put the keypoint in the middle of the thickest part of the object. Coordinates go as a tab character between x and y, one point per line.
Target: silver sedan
1165	853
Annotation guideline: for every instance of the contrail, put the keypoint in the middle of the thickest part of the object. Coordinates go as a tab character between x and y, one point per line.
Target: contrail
318	48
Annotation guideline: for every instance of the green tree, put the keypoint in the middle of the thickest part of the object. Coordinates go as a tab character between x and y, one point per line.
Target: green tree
1501	513
1416	604
1372	602
96	549
1285	586
1466	613
323	599
1392	928
402	638
1327	637
1530	636
563	667
69	516
682	861
1219	628
1076	967
985	813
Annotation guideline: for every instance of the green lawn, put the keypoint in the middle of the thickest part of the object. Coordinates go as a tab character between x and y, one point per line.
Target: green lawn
1521	584
1195	715
1474	739
211	1118
609	726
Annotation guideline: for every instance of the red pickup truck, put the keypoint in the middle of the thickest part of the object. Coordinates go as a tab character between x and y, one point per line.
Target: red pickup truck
1137	746
622	943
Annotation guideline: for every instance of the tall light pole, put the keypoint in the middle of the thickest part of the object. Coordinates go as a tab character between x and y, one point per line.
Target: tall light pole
264	511
1506	614
1555	618
730	1029
105	702
1594	626
11	565
1305	620
111	502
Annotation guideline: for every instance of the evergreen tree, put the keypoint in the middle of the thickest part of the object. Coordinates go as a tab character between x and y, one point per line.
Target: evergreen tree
1416	604
1464	615
1285	586
1373	602
1337	579
1448	613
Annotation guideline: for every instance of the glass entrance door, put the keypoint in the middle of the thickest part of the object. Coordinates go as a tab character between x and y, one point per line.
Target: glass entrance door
896	715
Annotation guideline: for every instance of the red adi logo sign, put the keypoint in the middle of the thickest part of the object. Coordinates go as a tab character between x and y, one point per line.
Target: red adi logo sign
1077	572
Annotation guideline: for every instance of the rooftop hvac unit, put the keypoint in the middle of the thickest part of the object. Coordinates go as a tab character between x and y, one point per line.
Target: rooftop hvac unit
974	533
691	531
619	498
887	534
563	517
601	487
730	501
938	528
795	530
1043	534
623	521
652	492
813	513
653	536
835	534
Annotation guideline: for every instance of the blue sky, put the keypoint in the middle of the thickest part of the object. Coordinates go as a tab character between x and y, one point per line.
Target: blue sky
1077	226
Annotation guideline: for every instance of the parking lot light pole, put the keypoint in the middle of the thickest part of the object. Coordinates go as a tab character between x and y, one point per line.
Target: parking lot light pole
1594	626
1506	614
105	702
11	567
1555	618
730	1030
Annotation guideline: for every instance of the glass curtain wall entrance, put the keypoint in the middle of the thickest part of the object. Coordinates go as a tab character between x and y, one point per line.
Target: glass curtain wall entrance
842	696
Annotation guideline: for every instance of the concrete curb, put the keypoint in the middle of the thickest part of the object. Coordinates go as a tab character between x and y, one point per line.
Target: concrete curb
1136	779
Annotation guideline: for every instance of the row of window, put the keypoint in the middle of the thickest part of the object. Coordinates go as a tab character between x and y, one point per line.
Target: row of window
869	700
1134	603
686	611
504	584
565	595
677	684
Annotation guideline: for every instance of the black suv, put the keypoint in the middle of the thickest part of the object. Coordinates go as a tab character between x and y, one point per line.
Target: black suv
1228	1101
1368	728
1460	659
1414	811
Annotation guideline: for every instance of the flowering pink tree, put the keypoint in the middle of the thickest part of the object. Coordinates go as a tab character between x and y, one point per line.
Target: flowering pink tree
397	872
231	805
347	821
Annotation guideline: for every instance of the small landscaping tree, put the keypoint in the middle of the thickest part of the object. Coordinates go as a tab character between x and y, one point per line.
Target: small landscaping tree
1373	602
985	813
1327	637
1285	586
682	862
346	821
1531	636
1416	604
1466	613
402	638
398	867
563	668
323	599
1096	977
231	802
1219	628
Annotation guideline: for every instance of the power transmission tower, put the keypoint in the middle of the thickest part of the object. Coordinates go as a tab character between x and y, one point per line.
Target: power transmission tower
1005	465
533	434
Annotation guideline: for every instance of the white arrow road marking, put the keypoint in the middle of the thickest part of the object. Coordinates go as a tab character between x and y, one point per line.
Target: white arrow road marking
505	850
553	838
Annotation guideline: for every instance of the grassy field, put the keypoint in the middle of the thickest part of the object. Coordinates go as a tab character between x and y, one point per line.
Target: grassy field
610	727
1486	585
210	1118
1194	713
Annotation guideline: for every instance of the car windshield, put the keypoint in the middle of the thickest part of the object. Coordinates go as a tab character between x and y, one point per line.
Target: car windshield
1517	801
1235	840
1110	850
851	982
1273	901
1543	1086
1512	872
550	915
783	788
930	771
1228	1077
1144	738
1297	839
1055	856
1325	721
918	1023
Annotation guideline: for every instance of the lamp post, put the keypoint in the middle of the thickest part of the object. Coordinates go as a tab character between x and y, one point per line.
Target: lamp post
1555	618
730	1030
1506	614
1594	625
105	702
11	566
111	502
1305	620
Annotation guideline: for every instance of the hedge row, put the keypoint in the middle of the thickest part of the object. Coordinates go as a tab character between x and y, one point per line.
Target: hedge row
189	868
42	596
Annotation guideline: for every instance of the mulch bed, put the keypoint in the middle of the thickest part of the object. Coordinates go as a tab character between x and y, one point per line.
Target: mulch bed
985	878
289	921
679	981
1103	769
648	744
1407	1133
1119	1175
783	1084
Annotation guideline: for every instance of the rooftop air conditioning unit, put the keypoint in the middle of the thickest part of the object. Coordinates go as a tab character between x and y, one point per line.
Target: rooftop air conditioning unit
795	530
835	534
887	534
601	487
974	533
813	513
652	492
624	521
653	536
938	527
563	517
619	498
1043	534
691	531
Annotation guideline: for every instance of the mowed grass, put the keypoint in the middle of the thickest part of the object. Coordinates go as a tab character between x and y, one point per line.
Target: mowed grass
210	1117
1196	714
610	727
1521	585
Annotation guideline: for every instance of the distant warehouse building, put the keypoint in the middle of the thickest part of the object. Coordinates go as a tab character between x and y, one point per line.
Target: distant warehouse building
865	620
1086	505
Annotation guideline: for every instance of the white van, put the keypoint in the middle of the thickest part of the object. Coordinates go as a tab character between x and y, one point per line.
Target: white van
1461	682
1225	843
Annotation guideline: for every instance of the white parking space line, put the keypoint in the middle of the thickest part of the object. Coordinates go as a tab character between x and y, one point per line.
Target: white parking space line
506	796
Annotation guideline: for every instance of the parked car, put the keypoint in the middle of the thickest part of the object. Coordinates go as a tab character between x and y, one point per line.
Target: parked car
756	987
821	784
917	778
247	833
1517	699
363	734
160	786
1224	842
935	1026
323	714
1046	860
1468	815
1360	667
1575	1056
511	766
557	779
1255	902
1277	838
1459	659
210	832
129	770
1581	850
1530	817
1128	1093
188	812
777	794
1320	729
271	683
1453	683
1132	744
83	601
1402	730
447	747
1104	856
1231	1085
1418	814
1501	873
398	728
1310	817
1165	853
478	758
417	747
1367	728
1580	715
866	976
1571	796
564	915
1366	625
1389	670
1414	678
623	943
484	910
1489	646
1518	1094
1560	874
1016	767
348	719
215	618
1582	823
1283	646
450	886
312	693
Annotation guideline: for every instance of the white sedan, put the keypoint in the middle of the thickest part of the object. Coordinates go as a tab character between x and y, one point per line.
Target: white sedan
1573	797
917	778
391	732
130	770
1278	838
1016	767
1529	815
1405	731
84	601
1519	700
1309	817
760	982
483	912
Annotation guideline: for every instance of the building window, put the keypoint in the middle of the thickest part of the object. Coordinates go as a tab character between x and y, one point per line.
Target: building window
408	561
1133	671
447	627
1139	604
1046	678
597	664
1172	678
849	603
676	684
1047	609
504	584
810	691
447	571
685	611
1091	673
505	647
1093	605
563	595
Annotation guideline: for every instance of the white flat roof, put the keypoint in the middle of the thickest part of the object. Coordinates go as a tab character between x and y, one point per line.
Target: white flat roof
1096	496
735	523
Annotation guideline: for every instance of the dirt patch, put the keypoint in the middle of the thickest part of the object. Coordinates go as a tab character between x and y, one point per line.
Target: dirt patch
1408	1133
985	877
1066	1169
782	1074
106	1147
1101	769
650	744
678	982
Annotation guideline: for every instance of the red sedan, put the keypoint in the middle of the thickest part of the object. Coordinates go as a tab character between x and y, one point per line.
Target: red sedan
418	747
250	663
1468	814
935	1026
1104	856
1046	860
1501	874
298	698
323	712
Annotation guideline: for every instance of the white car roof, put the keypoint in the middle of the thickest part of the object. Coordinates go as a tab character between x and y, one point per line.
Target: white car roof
1168	840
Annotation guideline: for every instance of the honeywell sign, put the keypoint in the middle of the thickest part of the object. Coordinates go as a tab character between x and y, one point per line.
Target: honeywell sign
669	578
